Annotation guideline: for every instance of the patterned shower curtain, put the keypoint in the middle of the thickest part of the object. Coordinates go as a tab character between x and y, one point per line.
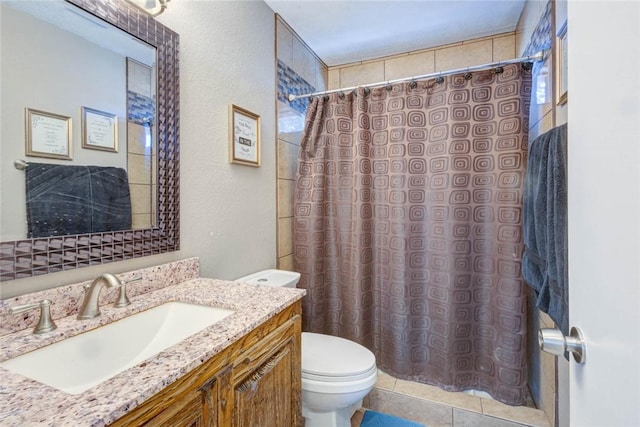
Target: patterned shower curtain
407	227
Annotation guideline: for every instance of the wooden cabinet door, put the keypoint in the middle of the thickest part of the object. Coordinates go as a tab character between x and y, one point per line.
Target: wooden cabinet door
187	412
266	389
265	398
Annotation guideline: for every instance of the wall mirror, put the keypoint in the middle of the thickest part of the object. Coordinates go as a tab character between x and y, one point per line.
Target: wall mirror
150	48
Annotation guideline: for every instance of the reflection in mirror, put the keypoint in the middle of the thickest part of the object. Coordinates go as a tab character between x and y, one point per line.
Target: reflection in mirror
91	79
60	59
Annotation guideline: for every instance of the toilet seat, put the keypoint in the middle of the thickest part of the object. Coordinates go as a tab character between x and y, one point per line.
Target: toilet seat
343	379
334	359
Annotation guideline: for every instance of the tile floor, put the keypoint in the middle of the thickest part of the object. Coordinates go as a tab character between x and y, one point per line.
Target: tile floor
434	407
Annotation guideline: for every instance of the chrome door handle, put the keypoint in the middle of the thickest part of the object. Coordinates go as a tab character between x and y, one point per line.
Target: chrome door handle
554	342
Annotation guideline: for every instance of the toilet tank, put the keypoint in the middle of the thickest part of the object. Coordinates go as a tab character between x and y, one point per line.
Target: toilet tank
283	278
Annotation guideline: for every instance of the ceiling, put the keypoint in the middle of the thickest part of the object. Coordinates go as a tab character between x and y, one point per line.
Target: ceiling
346	31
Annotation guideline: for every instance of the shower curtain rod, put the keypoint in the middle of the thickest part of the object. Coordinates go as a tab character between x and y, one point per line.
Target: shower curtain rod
532	58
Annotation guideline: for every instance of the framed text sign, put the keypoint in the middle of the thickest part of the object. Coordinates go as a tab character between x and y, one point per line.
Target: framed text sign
99	130
47	135
245	137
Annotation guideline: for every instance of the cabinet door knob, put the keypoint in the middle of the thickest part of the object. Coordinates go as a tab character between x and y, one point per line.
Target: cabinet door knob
553	341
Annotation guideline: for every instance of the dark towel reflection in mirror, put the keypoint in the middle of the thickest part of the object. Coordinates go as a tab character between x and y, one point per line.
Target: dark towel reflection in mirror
65	199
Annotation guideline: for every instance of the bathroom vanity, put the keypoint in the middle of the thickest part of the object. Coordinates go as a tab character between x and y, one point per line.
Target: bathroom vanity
243	370
253	382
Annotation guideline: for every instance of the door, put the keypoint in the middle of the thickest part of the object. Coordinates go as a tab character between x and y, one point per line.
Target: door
604	211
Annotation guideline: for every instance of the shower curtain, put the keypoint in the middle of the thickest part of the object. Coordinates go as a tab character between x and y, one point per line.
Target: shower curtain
407	227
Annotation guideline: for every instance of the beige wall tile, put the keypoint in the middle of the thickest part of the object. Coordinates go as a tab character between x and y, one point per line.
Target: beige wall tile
468	54
436	394
385	381
333	79
518	414
504	48
545	320
303	61
286	263
562	112
548	368
140	197
141	221
285	198
139	169
548	402
287	160
321	76
529	18
409	65
136	139
285	236
290	123
284	46
371	72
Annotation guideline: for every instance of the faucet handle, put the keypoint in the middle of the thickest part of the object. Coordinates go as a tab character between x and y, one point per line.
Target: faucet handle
123	300
45	323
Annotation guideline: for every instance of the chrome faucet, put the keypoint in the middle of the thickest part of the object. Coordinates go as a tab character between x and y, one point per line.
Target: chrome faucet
90	308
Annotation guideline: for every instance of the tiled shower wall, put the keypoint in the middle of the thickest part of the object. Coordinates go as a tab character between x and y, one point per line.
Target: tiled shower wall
300	71
291	51
535	32
441	58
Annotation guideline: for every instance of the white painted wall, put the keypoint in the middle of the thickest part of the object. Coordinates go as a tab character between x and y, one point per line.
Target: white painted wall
228	212
227	56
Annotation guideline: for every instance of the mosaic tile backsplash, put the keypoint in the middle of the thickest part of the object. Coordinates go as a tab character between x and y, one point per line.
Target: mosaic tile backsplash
290	82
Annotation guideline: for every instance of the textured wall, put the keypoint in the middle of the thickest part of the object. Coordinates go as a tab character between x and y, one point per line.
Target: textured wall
227	210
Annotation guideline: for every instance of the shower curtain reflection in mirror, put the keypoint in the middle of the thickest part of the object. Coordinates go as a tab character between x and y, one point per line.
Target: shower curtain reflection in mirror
408	209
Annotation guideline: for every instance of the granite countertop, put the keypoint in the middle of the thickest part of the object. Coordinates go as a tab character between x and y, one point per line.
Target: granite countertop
24	402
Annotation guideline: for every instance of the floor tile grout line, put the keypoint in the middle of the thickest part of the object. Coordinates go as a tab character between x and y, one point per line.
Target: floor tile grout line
515	420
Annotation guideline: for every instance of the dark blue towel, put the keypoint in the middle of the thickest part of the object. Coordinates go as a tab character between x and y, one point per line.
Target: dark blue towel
544	263
64	199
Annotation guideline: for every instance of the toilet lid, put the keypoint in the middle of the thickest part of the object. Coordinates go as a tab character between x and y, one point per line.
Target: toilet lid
330	356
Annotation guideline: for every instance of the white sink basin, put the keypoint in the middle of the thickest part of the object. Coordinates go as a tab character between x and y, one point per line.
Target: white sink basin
76	364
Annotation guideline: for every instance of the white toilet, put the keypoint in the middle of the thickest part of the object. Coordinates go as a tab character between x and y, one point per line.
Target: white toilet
336	373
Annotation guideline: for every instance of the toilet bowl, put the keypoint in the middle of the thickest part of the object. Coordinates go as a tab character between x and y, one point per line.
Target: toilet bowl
336	373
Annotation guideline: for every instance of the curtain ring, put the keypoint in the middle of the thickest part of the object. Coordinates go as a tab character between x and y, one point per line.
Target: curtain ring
341	95
440	80
499	70
413	84
389	87
367	91
527	66
467	76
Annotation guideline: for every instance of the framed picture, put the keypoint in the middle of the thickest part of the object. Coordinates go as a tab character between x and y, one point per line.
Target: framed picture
561	58
47	135
245	137
99	130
